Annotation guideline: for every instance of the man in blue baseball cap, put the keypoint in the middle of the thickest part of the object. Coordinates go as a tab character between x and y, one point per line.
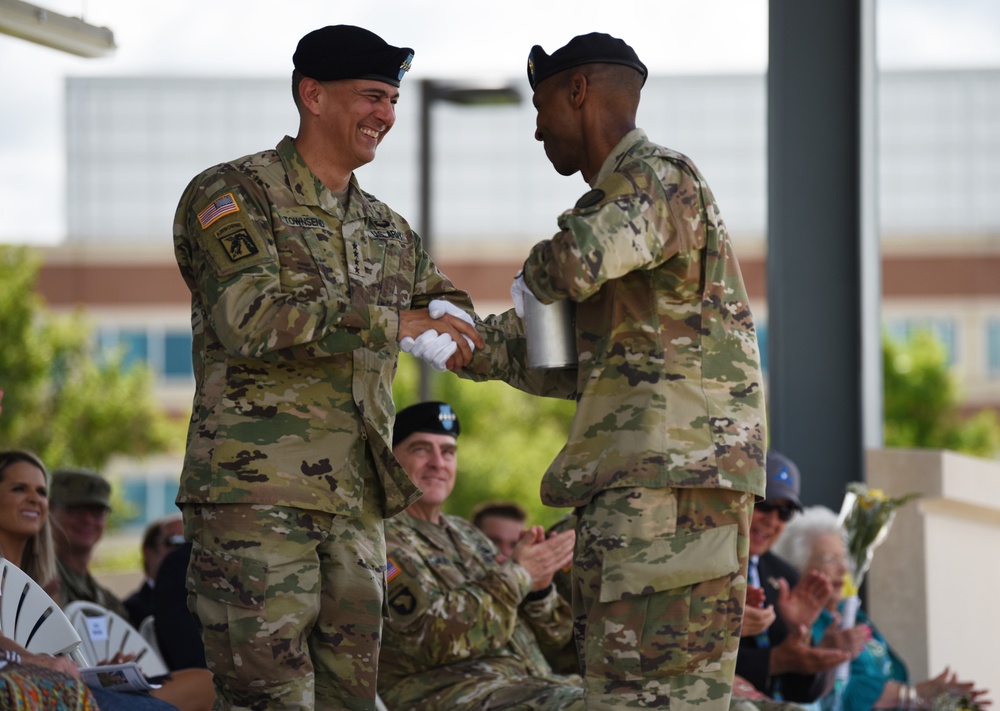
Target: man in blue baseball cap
781	662
303	288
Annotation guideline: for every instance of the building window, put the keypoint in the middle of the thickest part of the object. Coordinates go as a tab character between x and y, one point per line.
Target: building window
943	329
166	352
993	347
761	328
148	499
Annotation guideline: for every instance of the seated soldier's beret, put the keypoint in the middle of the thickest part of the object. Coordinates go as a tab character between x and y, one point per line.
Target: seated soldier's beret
433	417
349	52
594	48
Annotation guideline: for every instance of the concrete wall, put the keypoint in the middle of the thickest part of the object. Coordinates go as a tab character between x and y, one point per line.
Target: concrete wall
932	588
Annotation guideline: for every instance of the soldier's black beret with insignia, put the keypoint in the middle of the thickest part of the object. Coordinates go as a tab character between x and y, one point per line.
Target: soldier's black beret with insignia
593	48
349	52
433	417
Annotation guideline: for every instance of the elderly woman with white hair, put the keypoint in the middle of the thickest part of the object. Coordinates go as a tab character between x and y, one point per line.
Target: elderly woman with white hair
878	678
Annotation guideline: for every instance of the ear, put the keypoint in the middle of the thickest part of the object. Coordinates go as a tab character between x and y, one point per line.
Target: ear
309	94
577	89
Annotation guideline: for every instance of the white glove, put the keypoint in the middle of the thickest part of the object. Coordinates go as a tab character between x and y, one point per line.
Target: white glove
517	291
430	346
439	307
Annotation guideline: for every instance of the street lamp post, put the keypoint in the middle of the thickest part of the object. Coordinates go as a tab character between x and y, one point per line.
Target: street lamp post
463	94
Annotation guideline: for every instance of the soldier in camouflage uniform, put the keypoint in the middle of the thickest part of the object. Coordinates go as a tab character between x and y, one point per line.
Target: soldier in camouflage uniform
666	451
302	286
464	631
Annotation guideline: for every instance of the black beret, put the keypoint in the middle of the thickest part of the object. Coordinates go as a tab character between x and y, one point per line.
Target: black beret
349	52
593	48
433	417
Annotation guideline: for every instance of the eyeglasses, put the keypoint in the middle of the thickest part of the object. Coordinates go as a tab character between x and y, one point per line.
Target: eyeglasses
785	511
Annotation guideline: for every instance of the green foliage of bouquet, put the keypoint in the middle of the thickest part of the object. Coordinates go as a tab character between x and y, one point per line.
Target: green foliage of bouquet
953	701
866	517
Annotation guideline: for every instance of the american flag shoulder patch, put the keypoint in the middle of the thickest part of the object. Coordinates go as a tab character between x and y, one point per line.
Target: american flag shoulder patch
391	570
222	206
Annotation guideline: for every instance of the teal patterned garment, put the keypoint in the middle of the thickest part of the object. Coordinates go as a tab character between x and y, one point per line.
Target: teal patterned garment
869	671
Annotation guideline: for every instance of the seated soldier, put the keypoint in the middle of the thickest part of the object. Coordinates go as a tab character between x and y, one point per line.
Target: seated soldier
463	631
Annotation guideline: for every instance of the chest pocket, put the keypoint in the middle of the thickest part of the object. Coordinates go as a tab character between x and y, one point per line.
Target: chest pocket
376	263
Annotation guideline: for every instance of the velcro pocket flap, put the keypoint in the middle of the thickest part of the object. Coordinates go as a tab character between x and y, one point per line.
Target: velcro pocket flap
669	563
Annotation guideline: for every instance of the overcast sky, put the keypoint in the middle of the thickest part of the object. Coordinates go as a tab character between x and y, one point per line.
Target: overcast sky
451	38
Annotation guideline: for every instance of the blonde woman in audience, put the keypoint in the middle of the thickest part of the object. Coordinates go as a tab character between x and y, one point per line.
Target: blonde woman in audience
26	541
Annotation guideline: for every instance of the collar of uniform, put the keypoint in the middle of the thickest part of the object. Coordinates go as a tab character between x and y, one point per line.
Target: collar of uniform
434	533
310	190
614	159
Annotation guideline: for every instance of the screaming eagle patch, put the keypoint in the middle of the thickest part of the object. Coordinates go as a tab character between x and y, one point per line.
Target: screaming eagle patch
403	602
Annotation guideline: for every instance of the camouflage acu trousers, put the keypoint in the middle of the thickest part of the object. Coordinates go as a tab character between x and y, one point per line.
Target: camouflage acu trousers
659	582
290	604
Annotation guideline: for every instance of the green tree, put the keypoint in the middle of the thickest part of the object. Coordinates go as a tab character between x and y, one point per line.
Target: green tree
508	439
59	400
921	401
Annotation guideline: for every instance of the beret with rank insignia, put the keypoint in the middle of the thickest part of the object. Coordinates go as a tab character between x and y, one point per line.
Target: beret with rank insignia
348	52
433	417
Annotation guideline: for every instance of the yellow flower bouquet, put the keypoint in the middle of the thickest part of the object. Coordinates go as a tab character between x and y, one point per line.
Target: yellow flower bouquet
866	517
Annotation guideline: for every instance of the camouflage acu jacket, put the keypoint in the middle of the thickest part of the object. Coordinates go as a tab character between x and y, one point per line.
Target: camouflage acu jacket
458	627
670	390
295	302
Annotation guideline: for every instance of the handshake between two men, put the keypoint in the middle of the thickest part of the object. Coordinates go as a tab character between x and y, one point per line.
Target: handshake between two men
432	334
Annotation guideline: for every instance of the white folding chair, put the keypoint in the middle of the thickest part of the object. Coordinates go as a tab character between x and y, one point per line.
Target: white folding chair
32	619
105	634
147	628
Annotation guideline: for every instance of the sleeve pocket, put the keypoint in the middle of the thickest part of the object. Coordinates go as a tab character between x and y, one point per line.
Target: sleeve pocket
670	563
228	578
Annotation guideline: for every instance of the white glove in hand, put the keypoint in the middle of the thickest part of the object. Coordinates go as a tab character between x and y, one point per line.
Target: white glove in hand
430	346
439	307
517	291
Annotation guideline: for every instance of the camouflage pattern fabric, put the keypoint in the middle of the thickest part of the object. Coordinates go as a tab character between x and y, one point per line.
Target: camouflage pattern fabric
295	317
289	602
670	387
461	630
296	295
75	586
566	659
659	586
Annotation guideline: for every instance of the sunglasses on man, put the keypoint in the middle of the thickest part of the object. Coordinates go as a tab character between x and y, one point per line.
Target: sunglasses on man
785	511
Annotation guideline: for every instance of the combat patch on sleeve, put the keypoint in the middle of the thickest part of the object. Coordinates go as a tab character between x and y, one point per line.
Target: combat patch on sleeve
589	198
403	601
234	243
237	242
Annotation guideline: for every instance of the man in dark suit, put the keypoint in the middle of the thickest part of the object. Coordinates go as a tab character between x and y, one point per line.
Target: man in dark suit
177	633
161	537
781	662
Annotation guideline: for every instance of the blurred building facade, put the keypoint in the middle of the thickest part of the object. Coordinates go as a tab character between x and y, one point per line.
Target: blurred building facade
133	143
